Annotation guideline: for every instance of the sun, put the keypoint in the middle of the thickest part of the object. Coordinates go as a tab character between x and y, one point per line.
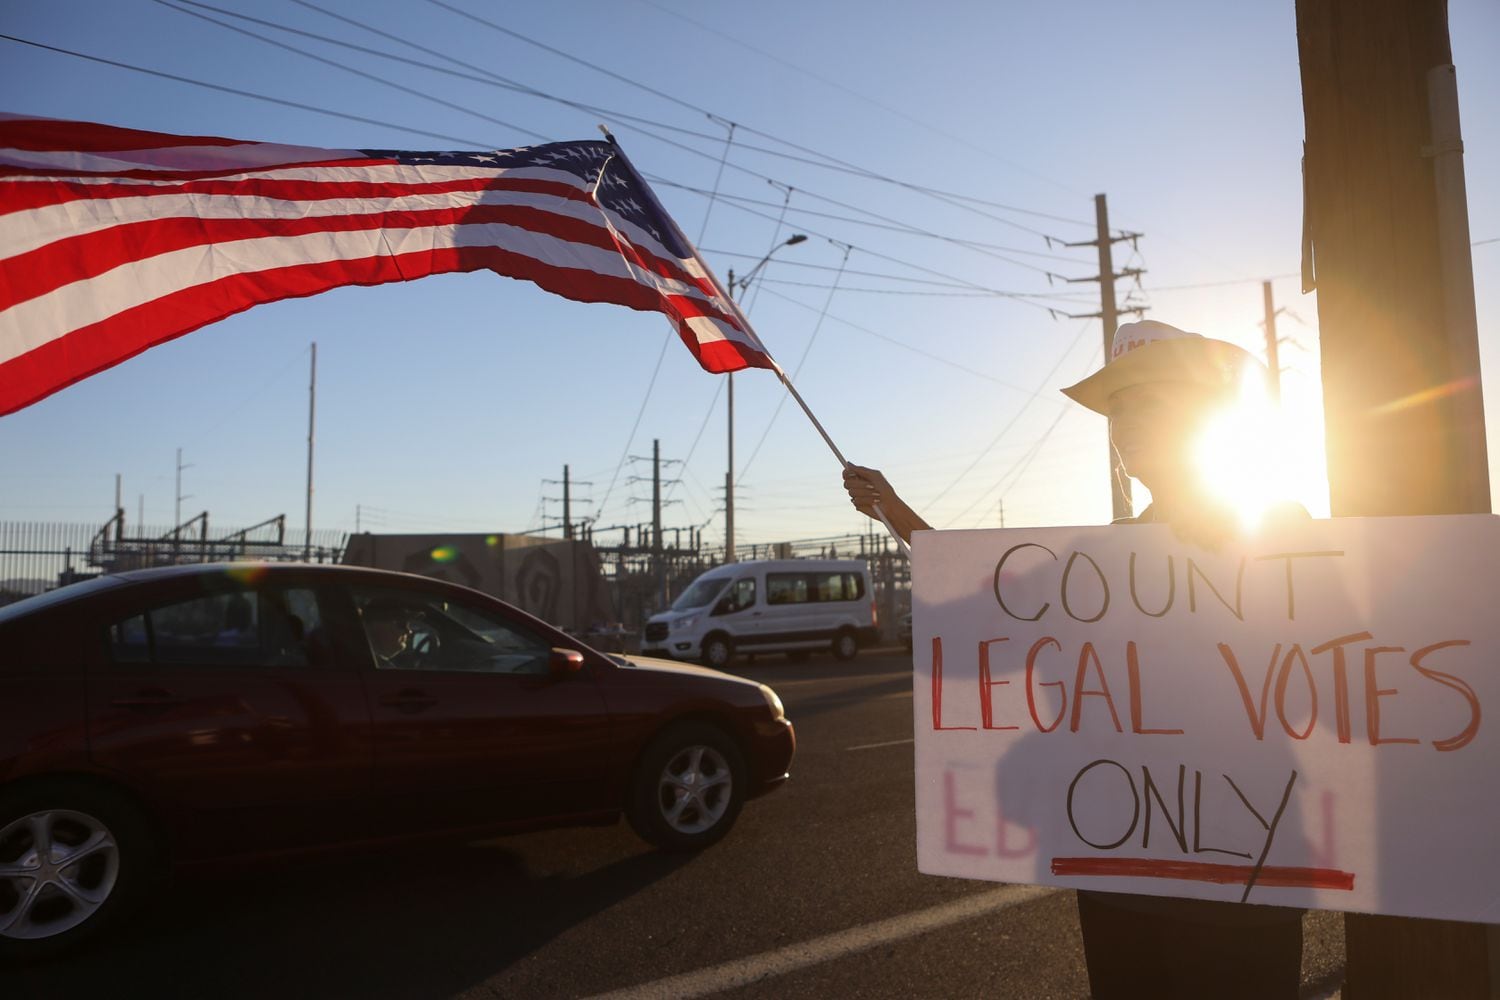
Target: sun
1248	457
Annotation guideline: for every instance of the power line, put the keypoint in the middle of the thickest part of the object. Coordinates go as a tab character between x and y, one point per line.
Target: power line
1066	296
776	242
781	401
338	65
908	291
1023	463
824	160
712	195
630	81
892	226
923	123
1045	380
415	131
1153	289
630	438
224	414
1020	470
300	106
975	246
360	118
834	201
1018	296
903	345
474	142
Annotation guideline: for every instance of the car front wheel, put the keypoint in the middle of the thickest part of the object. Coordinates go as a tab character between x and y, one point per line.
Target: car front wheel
71	859
718	652
688	788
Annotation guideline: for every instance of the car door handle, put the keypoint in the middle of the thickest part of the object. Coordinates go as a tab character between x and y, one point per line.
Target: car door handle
408	701
149	698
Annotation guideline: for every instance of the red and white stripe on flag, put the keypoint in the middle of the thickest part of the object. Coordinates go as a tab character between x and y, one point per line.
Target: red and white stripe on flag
113	240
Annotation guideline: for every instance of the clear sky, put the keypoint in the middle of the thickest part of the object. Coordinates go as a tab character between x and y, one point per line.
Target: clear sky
449	403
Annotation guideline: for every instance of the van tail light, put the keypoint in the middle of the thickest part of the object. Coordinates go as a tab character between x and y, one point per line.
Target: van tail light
874	614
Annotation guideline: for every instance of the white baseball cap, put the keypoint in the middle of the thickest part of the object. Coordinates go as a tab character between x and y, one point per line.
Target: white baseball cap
1149	351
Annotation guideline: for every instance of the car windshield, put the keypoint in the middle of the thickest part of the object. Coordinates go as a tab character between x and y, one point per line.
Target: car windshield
701	594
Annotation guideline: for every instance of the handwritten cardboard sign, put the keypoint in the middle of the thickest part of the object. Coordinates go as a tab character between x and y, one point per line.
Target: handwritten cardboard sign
1295	720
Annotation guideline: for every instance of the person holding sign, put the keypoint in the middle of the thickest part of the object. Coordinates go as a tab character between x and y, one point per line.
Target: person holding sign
1160	389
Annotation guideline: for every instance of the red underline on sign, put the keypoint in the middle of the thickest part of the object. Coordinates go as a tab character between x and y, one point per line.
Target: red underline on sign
1201	871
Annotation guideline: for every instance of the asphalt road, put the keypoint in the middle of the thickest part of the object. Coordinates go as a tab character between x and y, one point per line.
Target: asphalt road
815	893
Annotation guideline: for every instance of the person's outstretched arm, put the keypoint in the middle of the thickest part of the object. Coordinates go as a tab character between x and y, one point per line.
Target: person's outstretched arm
868	487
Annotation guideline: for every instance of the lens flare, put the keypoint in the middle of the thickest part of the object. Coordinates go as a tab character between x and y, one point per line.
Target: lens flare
1426	396
246	575
443	554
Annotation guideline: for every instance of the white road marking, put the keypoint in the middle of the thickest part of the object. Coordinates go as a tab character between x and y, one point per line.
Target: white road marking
793	957
887	743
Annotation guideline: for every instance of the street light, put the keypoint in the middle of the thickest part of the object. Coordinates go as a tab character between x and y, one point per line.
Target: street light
735	287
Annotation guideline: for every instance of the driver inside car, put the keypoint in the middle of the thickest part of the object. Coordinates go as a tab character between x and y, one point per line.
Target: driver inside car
389	627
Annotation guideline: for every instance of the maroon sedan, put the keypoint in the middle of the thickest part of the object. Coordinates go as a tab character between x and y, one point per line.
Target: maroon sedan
192	714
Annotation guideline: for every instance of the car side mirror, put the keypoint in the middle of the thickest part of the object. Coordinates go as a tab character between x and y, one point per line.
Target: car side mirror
564	663
725	606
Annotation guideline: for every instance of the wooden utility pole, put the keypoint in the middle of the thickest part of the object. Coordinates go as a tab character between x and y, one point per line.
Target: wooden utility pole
656	548
1400	374
1109	314
729	468
1273	353
312	409
1119	483
1386	246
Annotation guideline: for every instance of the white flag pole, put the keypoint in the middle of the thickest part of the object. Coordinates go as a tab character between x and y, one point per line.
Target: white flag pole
745	325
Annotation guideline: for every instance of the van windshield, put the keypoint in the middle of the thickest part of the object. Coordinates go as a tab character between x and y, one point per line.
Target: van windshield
700	594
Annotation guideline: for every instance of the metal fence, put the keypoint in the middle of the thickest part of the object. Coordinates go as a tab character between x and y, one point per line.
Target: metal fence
39	556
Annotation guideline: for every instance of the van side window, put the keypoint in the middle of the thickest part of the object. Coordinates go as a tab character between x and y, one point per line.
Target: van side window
740	596
813	588
852	587
786	588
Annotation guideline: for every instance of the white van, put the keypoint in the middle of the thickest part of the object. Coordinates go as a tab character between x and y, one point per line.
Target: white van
792	606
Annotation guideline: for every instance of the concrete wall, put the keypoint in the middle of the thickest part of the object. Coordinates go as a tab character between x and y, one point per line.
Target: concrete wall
555	579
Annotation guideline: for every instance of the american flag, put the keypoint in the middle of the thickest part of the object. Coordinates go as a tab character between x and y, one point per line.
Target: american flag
113	240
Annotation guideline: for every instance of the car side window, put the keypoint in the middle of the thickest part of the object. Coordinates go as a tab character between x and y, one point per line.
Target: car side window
129	640
241	628
294	625
415	631
738	597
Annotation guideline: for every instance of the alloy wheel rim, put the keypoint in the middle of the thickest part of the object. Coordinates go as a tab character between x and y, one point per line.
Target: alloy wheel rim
694	789
57	869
